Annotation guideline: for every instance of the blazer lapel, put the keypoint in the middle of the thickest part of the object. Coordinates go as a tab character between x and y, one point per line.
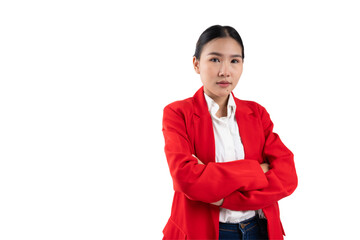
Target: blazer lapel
249	130
204	140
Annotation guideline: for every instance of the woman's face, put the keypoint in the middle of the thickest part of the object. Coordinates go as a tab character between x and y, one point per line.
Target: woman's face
220	66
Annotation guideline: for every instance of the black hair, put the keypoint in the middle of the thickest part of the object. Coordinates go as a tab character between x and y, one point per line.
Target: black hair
217	31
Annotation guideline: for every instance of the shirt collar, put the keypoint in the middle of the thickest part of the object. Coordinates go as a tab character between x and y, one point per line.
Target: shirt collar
214	107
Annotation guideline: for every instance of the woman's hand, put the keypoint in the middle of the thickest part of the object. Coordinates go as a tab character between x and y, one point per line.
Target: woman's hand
218	203
199	162
265	167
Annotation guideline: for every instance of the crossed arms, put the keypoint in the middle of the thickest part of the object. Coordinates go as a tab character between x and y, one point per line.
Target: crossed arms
238	185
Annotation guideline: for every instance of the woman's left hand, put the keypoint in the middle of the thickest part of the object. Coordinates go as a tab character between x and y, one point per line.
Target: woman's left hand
218	203
265	167
199	162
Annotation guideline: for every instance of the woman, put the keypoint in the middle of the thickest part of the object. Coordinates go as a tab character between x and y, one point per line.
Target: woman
229	168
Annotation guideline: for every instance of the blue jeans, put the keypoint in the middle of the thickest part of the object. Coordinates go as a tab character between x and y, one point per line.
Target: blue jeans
250	229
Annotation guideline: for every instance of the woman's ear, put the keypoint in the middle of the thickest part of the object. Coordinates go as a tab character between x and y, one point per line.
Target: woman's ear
196	64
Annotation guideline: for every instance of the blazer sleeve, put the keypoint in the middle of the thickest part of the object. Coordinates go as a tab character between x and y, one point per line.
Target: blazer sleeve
207	183
282	175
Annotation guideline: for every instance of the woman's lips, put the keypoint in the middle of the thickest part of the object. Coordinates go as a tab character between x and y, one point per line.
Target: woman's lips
223	83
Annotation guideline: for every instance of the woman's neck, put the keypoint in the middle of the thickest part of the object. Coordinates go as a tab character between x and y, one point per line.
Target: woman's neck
222	102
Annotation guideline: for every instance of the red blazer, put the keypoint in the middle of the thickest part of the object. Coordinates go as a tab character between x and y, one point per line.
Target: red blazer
187	128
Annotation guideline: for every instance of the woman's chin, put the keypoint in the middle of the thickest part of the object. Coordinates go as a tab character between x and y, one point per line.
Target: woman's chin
218	92
223	92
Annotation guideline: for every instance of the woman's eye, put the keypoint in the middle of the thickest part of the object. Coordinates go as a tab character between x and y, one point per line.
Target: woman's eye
235	61
214	60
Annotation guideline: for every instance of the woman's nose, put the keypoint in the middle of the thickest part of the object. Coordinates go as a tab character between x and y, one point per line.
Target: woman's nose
224	70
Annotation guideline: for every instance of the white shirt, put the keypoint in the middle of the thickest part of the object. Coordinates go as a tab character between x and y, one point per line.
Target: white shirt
228	147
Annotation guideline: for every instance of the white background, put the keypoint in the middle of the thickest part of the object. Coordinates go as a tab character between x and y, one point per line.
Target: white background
82	89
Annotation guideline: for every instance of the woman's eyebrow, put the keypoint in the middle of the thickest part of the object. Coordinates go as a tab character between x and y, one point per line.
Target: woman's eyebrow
220	55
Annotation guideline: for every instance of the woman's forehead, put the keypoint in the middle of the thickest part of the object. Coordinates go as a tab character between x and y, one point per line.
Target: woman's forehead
223	46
